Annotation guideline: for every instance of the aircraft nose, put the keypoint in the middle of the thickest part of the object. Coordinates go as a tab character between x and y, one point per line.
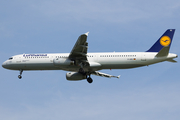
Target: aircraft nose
4	65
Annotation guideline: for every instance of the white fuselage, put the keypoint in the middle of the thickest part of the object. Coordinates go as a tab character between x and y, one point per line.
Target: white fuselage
97	61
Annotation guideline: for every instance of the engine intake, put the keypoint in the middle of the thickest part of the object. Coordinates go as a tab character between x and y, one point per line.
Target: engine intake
75	76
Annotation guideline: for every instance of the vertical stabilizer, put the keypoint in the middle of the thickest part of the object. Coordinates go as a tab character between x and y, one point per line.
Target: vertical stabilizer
163	42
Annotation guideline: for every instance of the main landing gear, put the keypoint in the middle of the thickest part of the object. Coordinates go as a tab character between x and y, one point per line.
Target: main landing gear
89	79
19	76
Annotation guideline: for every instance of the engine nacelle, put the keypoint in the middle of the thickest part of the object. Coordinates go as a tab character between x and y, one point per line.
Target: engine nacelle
74	76
62	61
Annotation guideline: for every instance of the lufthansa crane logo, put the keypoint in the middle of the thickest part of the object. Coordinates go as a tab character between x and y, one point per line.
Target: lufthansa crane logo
165	41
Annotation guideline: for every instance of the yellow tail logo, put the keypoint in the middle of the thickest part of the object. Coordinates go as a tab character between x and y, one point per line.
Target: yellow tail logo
165	41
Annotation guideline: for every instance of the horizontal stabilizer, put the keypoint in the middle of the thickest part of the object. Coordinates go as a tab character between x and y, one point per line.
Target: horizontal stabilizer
104	74
163	52
171	60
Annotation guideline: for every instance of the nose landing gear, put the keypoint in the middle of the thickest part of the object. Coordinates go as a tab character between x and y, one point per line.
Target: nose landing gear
19	76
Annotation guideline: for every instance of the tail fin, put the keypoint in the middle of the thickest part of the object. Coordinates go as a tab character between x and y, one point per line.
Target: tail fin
163	42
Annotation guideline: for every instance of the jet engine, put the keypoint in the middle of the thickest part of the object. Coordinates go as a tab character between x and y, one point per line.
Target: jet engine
75	76
62	61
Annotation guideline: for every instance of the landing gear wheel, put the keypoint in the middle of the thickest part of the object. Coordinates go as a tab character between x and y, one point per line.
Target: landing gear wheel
89	80
19	76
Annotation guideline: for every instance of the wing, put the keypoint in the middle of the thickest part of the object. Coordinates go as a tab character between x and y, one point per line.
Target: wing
104	74
79	50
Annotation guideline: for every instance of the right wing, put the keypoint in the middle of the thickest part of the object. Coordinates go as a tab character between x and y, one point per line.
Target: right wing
104	74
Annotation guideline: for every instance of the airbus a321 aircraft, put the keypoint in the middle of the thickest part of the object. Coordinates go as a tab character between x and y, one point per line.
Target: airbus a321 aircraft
82	64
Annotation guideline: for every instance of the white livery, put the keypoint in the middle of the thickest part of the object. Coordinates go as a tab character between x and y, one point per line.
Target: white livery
82	64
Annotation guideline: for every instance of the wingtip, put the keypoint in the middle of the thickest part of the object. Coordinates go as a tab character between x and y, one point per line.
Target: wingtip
87	33
118	76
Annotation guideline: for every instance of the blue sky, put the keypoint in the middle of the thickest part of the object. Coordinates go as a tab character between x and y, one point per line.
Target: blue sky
44	26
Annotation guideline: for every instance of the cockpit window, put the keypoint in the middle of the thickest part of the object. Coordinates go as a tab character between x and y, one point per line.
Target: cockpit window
10	58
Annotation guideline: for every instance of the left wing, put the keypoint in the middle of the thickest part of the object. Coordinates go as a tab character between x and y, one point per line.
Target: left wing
104	74
79	51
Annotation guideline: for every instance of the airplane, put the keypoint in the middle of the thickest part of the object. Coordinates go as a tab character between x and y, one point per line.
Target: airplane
81	64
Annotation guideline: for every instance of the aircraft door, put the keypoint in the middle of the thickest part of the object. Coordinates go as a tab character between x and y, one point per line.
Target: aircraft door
143	57
96	57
